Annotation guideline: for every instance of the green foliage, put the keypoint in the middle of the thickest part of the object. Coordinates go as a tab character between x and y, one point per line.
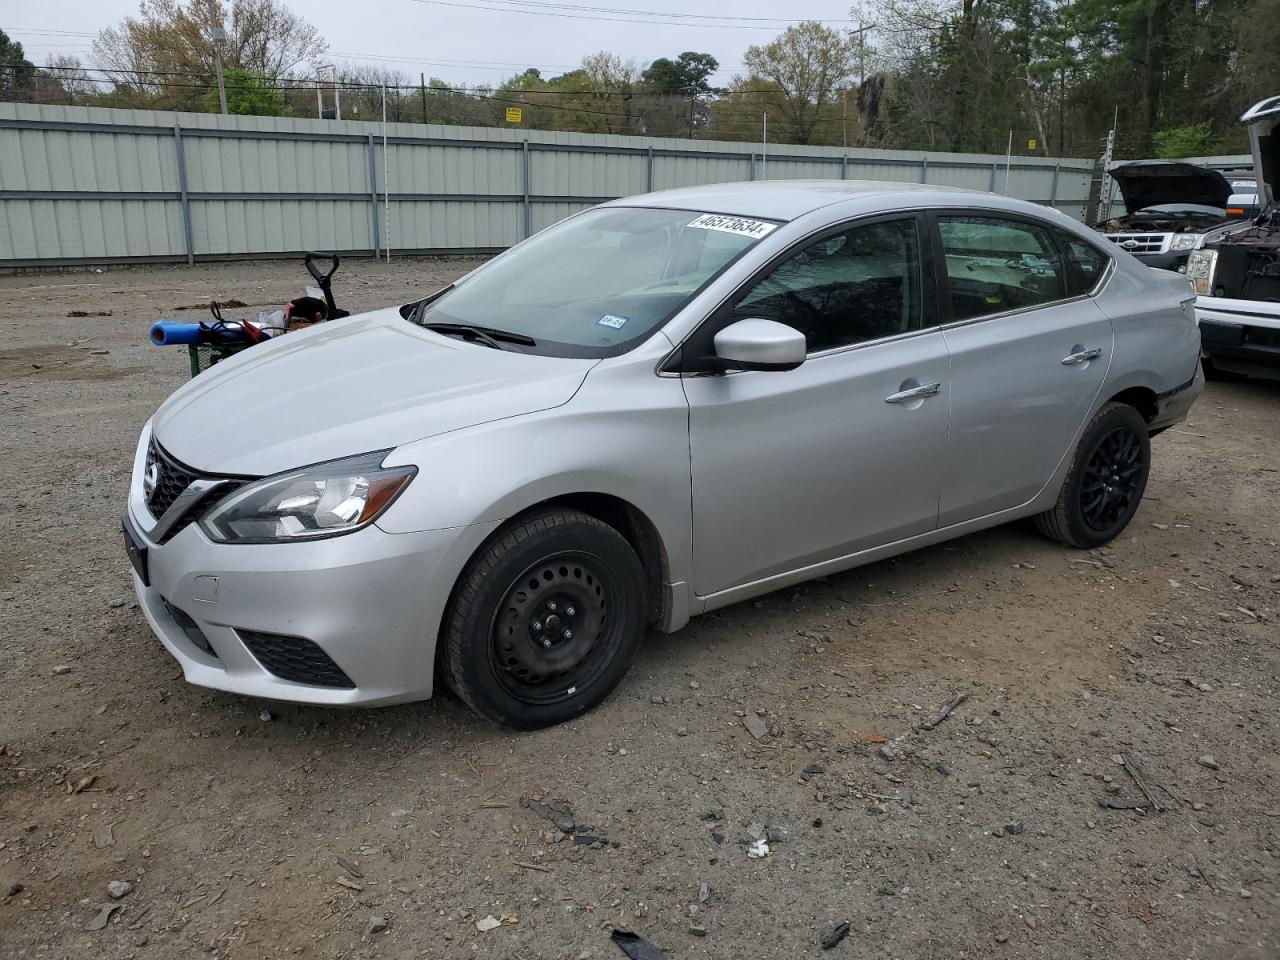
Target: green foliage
687	74
1178	142
17	73
249	93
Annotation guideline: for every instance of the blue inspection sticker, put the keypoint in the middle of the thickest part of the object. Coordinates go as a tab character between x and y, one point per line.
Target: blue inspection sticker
612	321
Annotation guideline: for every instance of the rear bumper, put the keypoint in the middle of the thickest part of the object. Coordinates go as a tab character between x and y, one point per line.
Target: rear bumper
1172	407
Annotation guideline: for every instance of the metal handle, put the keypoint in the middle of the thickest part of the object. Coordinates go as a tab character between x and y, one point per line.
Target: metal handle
915	393
1084	356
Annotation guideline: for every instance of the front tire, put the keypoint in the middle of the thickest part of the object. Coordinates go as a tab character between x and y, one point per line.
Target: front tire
1105	483
545	620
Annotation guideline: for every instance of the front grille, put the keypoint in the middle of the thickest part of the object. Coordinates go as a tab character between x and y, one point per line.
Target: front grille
295	658
1140	242
171	478
192	629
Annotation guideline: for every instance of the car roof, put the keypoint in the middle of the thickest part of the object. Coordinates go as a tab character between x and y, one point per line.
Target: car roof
789	199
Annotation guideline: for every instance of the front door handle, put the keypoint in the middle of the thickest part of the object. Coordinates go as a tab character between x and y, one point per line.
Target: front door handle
1083	356
923	392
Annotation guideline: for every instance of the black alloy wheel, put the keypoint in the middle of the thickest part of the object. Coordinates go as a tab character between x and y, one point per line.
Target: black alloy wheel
1105	482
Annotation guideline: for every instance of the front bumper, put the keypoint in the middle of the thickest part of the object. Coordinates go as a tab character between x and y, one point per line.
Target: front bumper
370	601
1169	260
1240	336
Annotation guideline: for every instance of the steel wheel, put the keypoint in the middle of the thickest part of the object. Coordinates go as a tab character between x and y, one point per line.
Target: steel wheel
551	634
1112	479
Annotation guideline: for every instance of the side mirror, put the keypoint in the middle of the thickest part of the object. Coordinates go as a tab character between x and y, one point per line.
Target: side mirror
758	344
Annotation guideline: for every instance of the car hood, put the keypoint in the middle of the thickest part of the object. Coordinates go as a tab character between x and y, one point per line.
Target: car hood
1146	183
1264	139
350	386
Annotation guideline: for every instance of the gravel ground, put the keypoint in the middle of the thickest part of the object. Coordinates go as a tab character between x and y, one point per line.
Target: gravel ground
255	834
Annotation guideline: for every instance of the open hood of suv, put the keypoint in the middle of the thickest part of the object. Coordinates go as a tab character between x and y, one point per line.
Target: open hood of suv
1264	139
1149	182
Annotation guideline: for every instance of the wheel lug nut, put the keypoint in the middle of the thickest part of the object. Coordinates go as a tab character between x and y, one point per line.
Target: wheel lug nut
537	624
570	611
552	606
568	634
546	642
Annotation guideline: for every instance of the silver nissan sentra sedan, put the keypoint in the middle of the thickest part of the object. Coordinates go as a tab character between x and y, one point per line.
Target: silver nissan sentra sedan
657	407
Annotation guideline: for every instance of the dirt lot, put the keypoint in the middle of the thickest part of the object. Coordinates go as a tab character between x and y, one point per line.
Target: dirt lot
981	837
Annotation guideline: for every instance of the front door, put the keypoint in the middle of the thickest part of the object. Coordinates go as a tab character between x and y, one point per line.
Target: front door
794	468
1029	352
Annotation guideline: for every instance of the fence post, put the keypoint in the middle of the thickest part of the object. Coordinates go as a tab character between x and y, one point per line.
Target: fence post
994	169
844	168
528	210
1053	190
182	192
373	199
648	172
924	169
751	166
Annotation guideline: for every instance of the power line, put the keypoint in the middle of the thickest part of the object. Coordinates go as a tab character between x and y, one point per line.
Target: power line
580	8
589	16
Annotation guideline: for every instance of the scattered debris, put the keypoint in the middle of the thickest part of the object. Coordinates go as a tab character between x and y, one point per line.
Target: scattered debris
377	924
103	836
488	923
265	716
755	726
563	819
83	784
759	849
697	930
835	936
1132	769
872	738
62	668
119	889
636	947
349	884
946	712
88	313
221	303
531	866
14	890
1208	760
886	753
350	867
103	916
704	891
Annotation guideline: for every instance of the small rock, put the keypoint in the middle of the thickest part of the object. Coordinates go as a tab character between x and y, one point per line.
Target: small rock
1204	688
1002	938
1246	894
1208	760
488	923
697	930
682	731
141	940
704	892
655	699
886	753
62	668
1032	923
119	889
694	685
265	716
377	924
755	726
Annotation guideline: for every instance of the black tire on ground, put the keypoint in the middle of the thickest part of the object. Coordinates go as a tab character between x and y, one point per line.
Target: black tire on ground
545	620
1105	482
1213	372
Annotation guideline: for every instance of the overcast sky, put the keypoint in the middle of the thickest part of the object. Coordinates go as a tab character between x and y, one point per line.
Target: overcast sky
461	44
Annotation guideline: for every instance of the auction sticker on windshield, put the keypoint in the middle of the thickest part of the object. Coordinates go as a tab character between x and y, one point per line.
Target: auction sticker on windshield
612	321
742	226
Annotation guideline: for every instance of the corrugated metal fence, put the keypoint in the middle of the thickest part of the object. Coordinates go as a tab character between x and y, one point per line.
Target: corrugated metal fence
91	185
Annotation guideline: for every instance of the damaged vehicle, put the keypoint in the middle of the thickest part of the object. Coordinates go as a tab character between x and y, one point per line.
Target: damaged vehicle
1236	274
1169	206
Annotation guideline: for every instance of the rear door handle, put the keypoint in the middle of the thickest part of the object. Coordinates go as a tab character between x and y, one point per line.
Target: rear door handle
923	392
1084	356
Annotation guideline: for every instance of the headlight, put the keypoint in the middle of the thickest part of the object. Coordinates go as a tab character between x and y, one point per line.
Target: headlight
1185	241
324	500
1200	270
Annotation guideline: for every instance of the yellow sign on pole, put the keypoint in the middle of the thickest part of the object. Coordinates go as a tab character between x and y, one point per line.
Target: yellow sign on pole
1031	143
514	114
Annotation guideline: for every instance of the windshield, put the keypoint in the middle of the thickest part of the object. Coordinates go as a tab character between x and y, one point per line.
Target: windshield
1185	210
595	284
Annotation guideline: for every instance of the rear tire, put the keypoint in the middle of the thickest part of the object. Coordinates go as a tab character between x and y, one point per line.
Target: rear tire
545	620
1105	482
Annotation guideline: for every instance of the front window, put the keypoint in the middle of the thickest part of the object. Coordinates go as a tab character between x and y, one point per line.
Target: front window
597	283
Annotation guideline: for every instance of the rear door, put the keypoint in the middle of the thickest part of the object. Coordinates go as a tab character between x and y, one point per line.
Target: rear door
1029	352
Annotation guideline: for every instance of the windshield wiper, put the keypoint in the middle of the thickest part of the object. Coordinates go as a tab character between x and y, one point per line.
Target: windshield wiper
486	335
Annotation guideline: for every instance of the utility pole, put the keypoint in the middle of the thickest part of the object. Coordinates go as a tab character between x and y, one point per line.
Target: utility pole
219	38
693	103
422	86
844	118
764	151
